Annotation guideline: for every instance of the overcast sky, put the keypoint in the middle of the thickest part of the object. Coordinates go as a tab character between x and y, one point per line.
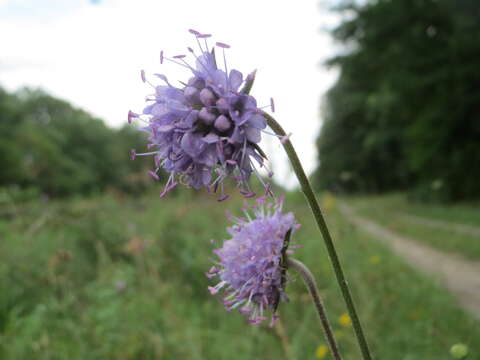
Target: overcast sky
90	52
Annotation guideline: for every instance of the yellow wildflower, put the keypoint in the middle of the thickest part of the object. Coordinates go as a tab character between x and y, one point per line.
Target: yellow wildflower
328	202
321	352
374	259
345	320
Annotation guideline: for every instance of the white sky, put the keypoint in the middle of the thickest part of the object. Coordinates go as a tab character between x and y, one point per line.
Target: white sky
91	53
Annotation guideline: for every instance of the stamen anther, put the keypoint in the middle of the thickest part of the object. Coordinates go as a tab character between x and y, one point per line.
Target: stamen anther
222	45
285	138
131	116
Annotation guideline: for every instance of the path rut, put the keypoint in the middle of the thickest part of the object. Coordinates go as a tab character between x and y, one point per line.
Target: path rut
458	274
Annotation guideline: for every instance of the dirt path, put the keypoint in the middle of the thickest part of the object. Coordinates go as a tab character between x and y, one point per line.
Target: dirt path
460	276
460	228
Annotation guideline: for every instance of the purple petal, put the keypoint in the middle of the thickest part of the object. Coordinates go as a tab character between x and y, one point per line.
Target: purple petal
170	93
219	79
206	177
257	121
190	119
165	128
253	135
211	138
158	109
237	136
208	157
235	78
192	145
205	64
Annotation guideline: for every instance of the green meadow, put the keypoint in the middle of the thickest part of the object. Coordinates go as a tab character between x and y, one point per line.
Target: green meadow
116	277
382	97
408	218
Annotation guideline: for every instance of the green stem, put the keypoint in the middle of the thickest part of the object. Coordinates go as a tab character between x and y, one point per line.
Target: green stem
317	213
309	280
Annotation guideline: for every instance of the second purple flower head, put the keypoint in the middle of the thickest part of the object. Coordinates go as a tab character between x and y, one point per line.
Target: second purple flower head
250	267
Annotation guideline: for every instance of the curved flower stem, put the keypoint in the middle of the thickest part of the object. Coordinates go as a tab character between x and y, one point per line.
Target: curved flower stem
313	290
317	213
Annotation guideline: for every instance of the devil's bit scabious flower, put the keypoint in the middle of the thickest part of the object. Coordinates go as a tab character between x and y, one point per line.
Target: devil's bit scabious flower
250	266
206	129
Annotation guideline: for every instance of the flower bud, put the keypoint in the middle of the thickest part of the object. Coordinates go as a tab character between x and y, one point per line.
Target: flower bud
207	97
250	268
191	93
459	351
222	105
196	82
207	117
222	123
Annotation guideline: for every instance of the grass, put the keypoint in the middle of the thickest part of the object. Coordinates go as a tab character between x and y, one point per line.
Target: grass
123	278
461	213
387	210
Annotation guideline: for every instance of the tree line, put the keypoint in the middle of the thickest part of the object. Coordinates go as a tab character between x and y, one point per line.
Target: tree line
404	112
49	145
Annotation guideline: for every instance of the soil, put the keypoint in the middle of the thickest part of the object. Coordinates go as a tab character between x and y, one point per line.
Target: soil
458	274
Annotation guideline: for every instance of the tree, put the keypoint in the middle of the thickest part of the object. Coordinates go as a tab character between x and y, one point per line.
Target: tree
403	113
48	144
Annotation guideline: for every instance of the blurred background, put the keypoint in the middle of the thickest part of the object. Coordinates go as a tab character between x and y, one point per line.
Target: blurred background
382	100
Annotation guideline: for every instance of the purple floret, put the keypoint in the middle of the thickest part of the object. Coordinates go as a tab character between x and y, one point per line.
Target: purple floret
250	263
207	129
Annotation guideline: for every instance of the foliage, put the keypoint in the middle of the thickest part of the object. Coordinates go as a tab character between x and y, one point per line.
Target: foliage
60	150
123	278
404	111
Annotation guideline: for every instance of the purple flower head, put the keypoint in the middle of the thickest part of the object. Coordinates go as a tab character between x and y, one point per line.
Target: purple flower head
251	268
207	128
